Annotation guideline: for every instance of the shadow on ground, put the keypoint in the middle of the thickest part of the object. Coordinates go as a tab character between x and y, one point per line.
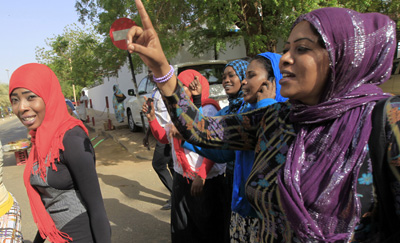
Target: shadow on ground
129	223
133	189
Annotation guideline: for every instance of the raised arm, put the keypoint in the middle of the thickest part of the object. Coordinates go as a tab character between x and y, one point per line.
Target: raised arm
223	132
156	129
145	42
226	132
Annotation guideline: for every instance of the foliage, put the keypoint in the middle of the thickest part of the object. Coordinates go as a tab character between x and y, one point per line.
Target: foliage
208	25
78	58
4	100
170	27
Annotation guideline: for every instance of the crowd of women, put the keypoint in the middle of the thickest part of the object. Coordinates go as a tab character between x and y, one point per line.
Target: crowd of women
323	166
306	151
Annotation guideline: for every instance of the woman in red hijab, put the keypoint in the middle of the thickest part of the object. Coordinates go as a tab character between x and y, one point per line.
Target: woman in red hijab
60	175
197	201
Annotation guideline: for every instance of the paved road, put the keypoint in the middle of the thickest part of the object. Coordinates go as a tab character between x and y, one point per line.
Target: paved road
11	130
132	192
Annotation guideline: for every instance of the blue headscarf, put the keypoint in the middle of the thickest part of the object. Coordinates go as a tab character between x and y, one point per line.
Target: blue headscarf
274	58
240	67
245	159
116	89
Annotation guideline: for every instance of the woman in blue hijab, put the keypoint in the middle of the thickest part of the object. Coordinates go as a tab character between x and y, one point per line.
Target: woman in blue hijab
259	88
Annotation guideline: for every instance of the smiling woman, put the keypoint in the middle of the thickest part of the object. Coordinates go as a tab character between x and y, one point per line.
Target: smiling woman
28	107
310	181
60	176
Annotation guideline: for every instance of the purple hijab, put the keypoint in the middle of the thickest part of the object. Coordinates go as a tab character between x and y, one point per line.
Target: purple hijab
318	181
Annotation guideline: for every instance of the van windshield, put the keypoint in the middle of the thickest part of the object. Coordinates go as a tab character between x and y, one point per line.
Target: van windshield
212	72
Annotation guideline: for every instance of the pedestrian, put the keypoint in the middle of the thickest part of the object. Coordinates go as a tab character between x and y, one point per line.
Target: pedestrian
71	108
311	180
118	103
234	74
197	196
162	158
60	175
10	212
83	104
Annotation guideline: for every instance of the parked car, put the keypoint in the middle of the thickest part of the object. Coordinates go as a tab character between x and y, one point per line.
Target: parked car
212	70
393	84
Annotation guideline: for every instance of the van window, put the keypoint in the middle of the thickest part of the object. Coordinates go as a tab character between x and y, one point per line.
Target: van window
146	86
212	72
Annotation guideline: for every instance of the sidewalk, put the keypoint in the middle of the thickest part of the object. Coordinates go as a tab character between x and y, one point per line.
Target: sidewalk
131	141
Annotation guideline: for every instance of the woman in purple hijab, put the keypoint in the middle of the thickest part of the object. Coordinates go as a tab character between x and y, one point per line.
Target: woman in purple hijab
312	179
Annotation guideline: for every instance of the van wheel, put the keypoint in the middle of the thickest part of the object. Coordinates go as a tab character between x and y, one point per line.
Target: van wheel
131	122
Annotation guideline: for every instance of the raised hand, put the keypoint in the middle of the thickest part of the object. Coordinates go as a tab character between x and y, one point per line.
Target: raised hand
145	108
145	42
195	86
267	90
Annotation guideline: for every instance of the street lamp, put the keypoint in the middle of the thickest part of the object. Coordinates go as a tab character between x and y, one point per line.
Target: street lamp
8	75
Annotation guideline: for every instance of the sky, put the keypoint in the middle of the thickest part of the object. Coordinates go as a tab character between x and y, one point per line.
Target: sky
25	25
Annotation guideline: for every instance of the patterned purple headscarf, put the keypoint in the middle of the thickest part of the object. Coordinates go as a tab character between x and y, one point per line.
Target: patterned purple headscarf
318	181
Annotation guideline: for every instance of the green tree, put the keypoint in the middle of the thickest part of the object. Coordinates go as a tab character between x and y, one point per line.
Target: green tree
78	57
4	100
170	27
209	24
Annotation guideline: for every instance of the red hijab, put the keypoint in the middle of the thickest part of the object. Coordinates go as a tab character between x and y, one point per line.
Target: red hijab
186	77
47	139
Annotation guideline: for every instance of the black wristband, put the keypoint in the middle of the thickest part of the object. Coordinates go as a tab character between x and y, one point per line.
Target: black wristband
197	100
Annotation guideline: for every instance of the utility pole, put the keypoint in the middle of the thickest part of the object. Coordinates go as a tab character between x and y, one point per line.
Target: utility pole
8	75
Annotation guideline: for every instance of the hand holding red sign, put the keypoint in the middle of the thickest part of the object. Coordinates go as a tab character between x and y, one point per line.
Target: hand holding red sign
145	42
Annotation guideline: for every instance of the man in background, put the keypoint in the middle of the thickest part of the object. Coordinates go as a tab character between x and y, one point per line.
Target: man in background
71	108
82	106
162	157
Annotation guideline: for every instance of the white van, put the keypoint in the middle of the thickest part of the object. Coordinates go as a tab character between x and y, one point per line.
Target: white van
211	69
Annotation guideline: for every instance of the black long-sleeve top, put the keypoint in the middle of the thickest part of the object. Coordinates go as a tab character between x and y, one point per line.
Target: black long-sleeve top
76	175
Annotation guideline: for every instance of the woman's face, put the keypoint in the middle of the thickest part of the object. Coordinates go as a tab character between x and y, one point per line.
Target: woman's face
28	107
231	81
256	75
304	66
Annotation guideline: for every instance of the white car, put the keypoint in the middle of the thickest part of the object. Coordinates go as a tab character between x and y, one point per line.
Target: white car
212	70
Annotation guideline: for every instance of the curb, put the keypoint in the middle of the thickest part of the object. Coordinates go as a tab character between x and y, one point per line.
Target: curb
89	128
106	134
110	135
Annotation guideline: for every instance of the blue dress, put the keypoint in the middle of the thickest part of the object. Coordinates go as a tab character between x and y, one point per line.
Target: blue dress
119	108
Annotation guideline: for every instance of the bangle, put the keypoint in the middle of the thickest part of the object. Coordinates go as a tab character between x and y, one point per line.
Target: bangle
165	78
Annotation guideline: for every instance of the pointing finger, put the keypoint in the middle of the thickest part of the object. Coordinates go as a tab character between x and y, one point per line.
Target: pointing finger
146	22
